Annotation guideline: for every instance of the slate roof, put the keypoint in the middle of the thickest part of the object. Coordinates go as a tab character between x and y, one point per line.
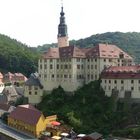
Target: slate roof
28	115
122	72
33	81
99	51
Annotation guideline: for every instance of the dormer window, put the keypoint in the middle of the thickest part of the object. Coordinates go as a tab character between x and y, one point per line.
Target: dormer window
121	55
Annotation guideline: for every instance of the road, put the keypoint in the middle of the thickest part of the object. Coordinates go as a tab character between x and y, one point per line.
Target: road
14	133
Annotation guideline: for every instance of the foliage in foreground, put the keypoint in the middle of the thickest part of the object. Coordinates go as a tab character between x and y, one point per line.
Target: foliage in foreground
86	111
89	110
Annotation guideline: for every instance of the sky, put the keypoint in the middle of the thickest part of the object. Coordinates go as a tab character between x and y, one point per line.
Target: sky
35	22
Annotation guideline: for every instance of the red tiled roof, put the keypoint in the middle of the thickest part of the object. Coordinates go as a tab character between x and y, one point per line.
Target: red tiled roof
101	50
29	115
52	53
121	72
107	51
66	52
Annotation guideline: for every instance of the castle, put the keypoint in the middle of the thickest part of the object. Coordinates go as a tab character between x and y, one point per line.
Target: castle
71	67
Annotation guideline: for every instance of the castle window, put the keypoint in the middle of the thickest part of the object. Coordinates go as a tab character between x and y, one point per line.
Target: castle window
35	93
109	87
65	76
132	88
69	66
88	66
52	75
122	81
61	66
40	66
109	81
115	81
104	60
91	66
95	60
105	81
132	81
40	60
139	81
51	66
82	66
92	76
30	92
110	60
51	60
66	66
57	66
88	60
88	76
78	66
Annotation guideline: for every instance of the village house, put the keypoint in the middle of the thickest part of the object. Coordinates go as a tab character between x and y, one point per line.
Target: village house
14	78
33	89
5	108
28	119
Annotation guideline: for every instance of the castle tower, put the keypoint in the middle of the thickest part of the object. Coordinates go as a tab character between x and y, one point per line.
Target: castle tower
62	36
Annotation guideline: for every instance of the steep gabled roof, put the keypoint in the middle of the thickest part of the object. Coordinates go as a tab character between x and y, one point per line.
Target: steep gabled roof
99	51
33	81
28	115
107	51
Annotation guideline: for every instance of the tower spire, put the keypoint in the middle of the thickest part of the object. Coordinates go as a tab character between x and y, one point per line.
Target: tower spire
62	29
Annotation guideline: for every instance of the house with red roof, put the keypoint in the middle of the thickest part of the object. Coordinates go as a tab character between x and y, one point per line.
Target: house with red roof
28	119
71	66
14	78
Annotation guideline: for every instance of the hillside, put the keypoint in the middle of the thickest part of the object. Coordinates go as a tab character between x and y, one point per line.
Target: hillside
16	57
129	42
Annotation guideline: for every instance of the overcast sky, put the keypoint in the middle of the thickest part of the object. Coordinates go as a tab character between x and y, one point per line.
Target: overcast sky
34	22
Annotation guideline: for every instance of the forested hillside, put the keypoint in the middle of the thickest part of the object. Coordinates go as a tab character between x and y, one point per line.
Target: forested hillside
129	42
16	57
